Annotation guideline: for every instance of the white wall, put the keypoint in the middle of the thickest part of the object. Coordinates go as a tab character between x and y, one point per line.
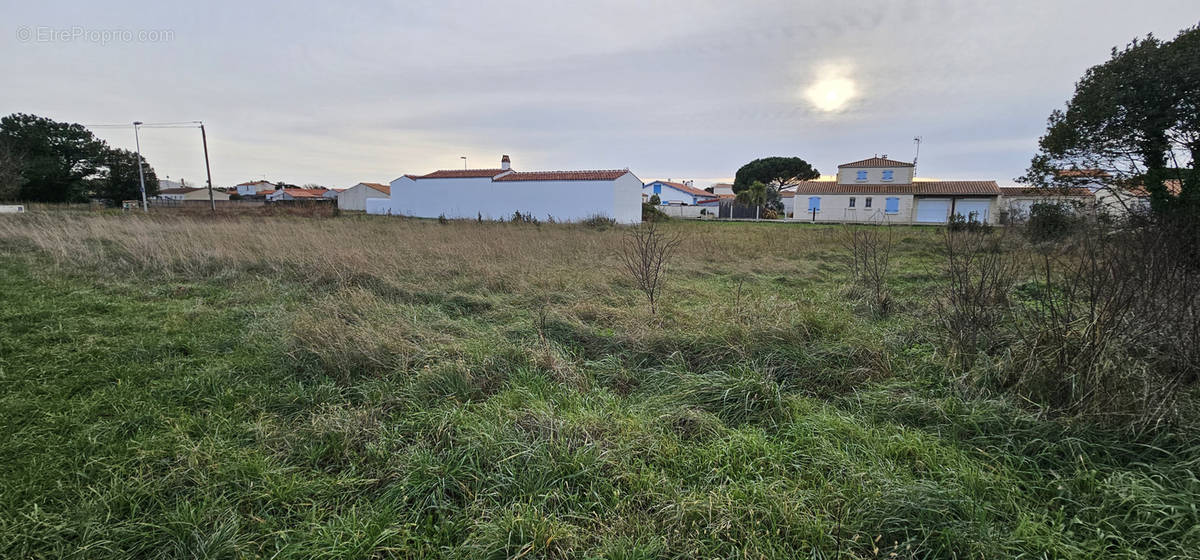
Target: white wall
355	198
564	200
847	175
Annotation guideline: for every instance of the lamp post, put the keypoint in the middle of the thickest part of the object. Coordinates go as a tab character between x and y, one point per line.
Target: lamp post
141	177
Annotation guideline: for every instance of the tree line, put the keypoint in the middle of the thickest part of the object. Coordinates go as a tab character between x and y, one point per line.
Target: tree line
43	160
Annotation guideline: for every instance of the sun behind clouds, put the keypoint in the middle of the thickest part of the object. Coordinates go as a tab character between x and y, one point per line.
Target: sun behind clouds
833	90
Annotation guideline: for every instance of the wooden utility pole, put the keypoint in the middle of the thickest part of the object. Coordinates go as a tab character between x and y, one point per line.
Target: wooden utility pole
204	138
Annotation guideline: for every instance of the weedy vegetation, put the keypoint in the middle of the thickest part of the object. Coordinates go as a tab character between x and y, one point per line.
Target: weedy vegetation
191	386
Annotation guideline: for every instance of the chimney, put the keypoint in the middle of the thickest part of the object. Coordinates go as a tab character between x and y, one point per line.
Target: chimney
884	156
504	162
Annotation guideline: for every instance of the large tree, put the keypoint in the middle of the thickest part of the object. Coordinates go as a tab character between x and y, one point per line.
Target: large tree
118	178
1135	118
10	173
58	159
775	172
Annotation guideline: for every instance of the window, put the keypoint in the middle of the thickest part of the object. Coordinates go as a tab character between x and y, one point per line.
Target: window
893	205
814	203
852	202
867	202
657	189
887	175
860	176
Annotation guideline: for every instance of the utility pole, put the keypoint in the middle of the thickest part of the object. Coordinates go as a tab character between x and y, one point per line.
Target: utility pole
204	138
141	177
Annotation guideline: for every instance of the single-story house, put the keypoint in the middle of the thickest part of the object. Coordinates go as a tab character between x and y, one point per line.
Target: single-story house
190	193
355	198
882	190
673	193
254	188
288	194
500	192
1016	202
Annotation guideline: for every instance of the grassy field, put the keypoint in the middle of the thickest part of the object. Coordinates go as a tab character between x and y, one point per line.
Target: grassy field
354	387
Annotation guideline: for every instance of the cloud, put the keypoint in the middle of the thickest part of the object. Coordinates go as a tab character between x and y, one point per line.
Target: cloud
335	94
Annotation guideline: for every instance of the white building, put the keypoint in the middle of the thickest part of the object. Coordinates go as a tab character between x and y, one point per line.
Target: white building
290	194
355	198
881	190
499	193
253	188
1017	202
673	193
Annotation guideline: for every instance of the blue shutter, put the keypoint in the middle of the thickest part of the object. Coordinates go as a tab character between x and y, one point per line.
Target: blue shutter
657	189
814	203
862	176
887	175
893	205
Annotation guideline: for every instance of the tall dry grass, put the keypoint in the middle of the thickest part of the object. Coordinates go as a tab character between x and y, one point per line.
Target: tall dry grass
416	253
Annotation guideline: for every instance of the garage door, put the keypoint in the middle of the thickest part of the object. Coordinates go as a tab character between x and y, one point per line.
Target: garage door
933	210
973	208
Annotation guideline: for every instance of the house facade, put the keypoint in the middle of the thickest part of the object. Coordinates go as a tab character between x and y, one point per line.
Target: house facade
881	190
355	198
675	193
500	192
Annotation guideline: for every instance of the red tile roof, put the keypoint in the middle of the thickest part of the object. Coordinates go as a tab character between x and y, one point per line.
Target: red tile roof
304	193
1034	191
462	173
877	162
919	187
255	183
1174	187
686	188
179	190
592	175
1095	173
385	189
264	193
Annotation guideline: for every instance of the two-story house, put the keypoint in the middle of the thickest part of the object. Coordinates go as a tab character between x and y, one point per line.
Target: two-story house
883	190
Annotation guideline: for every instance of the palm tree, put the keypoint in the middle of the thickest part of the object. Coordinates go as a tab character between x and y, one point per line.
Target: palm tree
755	195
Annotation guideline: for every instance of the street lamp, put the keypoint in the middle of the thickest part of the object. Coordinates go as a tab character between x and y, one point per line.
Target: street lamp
141	177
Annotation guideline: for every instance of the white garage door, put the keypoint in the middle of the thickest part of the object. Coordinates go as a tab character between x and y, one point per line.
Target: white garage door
973	208
933	210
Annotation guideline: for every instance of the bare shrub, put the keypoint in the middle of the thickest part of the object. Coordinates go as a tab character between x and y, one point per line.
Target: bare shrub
871	251
645	256
1113	326
979	272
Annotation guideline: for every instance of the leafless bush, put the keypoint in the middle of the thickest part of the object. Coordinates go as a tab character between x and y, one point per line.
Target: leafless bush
979	273
645	255
1113	328
871	251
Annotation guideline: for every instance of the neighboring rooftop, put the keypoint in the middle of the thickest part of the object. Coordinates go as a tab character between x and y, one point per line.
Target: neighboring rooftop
590	175
462	173
687	188
921	187
877	162
179	190
1052	191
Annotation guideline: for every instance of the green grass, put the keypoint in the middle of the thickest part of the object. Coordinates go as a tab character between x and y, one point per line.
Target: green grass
267	410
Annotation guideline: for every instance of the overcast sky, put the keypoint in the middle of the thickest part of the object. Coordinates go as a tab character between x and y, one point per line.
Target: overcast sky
329	93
